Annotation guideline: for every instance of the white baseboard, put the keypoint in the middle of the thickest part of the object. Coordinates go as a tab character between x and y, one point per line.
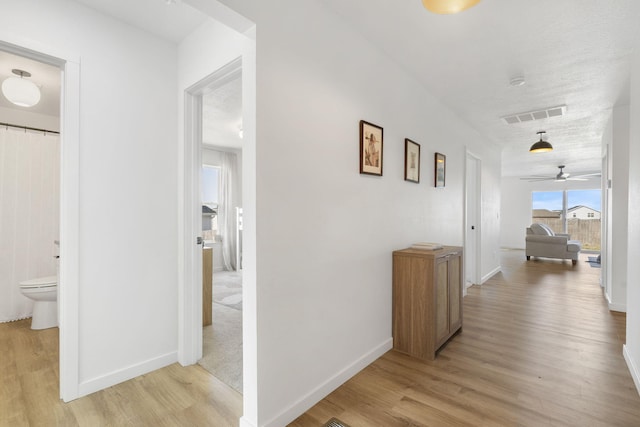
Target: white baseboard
492	273
245	423
635	373
314	396
622	308
122	375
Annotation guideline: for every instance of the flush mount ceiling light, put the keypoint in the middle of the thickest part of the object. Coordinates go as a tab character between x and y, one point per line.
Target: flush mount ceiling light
541	146
446	7
20	91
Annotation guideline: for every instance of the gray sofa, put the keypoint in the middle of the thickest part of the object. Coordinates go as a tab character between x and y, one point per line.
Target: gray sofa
541	241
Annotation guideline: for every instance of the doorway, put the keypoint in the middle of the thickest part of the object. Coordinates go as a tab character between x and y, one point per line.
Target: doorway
29	185
472	220
68	75
216	109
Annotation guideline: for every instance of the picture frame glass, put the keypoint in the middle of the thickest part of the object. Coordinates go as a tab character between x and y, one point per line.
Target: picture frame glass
371	143
440	170
411	161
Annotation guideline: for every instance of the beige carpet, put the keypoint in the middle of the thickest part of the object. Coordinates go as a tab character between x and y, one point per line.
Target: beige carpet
222	340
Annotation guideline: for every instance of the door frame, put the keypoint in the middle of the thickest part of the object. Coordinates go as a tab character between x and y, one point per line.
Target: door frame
472	217
190	305
68	295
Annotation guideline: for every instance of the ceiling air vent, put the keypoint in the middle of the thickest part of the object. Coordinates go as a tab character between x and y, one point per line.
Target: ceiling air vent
535	115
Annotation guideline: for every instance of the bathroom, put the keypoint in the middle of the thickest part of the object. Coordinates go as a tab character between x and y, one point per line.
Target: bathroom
29	194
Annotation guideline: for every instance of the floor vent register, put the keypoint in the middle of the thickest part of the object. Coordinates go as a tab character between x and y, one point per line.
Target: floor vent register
334	422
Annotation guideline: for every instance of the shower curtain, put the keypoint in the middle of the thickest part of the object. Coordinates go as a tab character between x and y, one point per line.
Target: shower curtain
227	221
29	214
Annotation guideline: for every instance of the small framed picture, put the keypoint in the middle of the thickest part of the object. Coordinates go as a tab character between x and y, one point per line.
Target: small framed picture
411	161
441	170
370	148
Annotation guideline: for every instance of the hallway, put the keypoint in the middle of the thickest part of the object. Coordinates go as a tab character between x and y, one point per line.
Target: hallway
538	347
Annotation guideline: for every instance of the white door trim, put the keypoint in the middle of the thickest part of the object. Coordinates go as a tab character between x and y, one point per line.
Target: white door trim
468	222
190	299
68	288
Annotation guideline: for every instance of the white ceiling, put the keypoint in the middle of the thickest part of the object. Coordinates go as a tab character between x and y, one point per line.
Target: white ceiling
222	114
571	52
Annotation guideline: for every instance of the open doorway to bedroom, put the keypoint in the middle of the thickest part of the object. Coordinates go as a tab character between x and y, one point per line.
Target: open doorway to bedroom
221	196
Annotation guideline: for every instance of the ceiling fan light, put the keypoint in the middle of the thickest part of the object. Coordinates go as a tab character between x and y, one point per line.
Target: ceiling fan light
21	92
447	7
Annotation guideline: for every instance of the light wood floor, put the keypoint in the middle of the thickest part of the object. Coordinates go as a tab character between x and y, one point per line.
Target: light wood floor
538	348
172	396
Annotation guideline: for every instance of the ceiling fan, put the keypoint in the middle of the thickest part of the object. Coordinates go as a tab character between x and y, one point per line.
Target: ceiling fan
563	176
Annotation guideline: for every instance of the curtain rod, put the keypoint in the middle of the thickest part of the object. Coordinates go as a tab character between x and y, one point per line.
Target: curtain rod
26	128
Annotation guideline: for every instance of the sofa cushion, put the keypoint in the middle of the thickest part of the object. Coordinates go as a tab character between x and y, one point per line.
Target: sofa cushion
573	246
549	230
541	229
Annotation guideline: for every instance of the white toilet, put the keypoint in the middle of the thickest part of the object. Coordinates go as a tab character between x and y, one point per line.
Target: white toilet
44	292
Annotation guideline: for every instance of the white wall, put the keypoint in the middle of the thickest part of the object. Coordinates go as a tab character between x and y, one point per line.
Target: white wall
30	119
619	152
325	233
490	211
517	204
128	271
632	347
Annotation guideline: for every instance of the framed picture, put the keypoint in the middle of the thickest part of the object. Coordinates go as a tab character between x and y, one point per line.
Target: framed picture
370	148
441	169
411	161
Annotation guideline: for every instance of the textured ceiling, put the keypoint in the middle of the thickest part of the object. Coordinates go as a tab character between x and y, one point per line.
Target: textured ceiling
222	115
571	52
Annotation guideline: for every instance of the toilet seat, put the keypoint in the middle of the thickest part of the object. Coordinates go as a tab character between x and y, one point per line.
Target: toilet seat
40	282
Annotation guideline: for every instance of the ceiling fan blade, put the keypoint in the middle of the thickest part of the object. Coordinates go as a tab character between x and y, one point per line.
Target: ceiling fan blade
536	179
588	175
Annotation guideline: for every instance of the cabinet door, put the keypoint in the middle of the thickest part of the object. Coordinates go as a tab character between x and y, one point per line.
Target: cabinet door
455	292
442	300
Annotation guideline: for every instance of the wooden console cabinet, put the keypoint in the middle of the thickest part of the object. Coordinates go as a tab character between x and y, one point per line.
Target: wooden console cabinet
427	299
207	286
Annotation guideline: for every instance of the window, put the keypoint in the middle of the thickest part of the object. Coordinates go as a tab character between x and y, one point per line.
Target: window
210	201
581	224
210	179
547	209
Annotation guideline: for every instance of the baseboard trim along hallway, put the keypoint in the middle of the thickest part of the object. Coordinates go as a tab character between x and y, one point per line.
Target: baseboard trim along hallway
311	398
122	375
